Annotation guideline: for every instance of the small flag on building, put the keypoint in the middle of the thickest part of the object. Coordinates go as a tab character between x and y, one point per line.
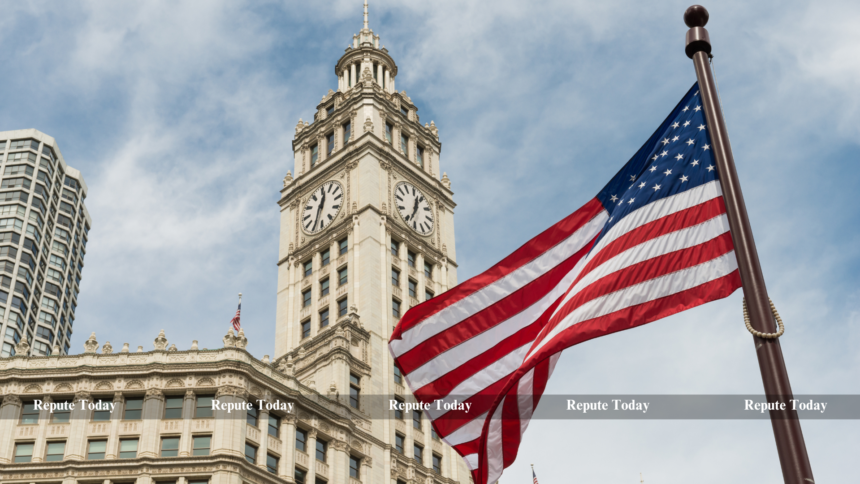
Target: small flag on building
235	320
534	477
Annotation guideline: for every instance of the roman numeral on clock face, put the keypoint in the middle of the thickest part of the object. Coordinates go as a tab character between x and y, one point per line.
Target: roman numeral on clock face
414	208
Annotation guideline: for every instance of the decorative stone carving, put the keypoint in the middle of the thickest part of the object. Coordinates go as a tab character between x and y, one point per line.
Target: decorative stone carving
11	400
339	445
446	182
230	391
139	349
160	341
55	350
189	394
265	359
172	347
230	339
194	346
241	341
367	461
300	126
154	393
332	389
82	396
124	348
107	348
91	345
288	178
366	75
22	348
368	125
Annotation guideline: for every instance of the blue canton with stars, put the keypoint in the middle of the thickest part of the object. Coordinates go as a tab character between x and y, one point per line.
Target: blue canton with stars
676	158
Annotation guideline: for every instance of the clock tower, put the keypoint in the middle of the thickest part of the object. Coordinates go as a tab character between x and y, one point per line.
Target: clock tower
367	232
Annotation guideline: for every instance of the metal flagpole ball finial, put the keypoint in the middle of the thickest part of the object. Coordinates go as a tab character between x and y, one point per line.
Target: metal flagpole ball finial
697	37
696	16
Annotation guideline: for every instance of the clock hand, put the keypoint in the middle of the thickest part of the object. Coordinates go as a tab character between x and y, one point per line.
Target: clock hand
415	210
319	209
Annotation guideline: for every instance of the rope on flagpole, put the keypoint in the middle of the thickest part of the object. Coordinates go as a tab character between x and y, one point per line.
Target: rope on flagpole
759	333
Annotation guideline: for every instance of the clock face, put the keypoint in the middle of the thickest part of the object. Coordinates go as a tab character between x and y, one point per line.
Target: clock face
322	207
414	208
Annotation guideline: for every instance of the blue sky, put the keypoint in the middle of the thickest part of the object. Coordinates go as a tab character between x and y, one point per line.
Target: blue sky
180	117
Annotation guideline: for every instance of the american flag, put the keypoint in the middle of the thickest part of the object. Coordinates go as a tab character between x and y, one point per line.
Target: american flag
534	477
235	320
655	241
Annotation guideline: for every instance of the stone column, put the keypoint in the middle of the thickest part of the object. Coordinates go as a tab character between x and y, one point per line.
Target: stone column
263	425
340	465
379	74
44	418
346	84
10	411
229	435
393	90
387	84
353	78
115	418
77	442
288	448
366	465
353	258
188	406
152	408
312	457
144	479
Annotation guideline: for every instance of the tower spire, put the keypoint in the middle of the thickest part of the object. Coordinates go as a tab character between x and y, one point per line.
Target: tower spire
365	15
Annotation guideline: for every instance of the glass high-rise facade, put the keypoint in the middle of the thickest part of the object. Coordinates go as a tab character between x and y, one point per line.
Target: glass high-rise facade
44	227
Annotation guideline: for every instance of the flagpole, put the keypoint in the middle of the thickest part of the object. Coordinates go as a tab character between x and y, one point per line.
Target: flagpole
786	426
240	305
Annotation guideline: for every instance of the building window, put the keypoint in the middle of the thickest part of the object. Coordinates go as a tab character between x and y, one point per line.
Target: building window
419	453
428	295
395	248
398	442
419	156
306	298
437	463
324	289
433	433
395	278
413	288
203	408
416	419
24	452
398	409
410	258
404	111
29	414
61	416
170	446
315	154
271	463
250	453
324	318
347	132
395	309
322	446
388	129
300	476
8	350
173	407
252	416
309	267
342	276
404	144
128	448
306	328
326	257
301	440
342	246
329	143
398	377
201	444
133	409
274	426
96	449
354	467
40	348
329	110
354	390
341	308
55	451
428	270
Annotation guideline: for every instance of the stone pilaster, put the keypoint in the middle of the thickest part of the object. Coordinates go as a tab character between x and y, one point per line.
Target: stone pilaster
152	413
115	419
10	411
340	463
263	450
312	456
230	428
80	417
44	419
288	450
188	405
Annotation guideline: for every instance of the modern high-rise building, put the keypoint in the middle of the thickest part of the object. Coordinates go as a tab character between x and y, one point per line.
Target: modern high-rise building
44	226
